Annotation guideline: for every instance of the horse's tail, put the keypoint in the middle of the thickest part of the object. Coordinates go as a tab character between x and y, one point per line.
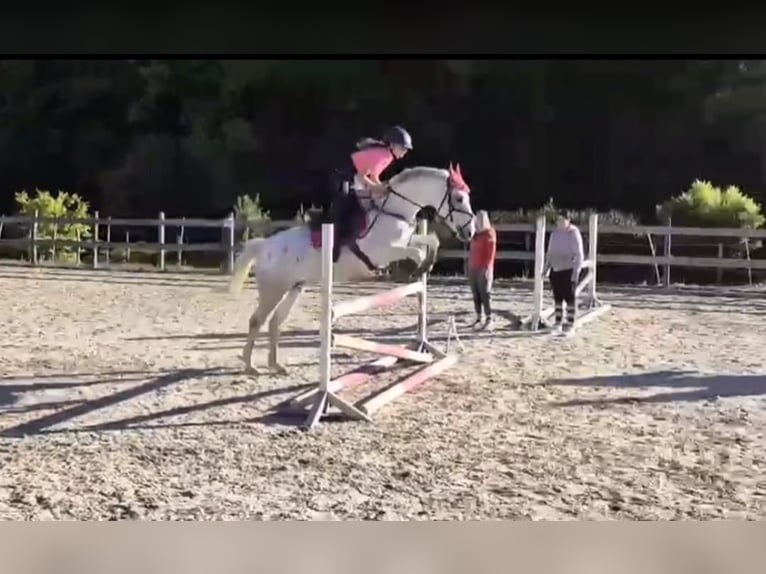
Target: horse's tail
243	264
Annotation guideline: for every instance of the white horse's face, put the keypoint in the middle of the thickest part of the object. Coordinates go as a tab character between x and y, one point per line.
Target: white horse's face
456	210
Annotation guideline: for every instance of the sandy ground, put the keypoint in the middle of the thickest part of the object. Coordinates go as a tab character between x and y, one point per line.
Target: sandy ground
122	396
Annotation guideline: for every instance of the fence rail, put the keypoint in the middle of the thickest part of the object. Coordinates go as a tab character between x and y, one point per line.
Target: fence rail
101	233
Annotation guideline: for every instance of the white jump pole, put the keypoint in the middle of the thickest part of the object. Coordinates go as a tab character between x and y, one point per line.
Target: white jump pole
538	274
423	295
586	286
592	251
324	395
596	307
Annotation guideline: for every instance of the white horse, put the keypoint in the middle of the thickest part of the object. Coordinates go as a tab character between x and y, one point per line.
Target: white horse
286	261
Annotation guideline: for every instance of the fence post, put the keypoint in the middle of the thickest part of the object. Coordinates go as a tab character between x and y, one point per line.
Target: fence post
33	239
108	240
78	259
666	250
95	240
161	240
719	270
527	247
55	239
180	241
230	243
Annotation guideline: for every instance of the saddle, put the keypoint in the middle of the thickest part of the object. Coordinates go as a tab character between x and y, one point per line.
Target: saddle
334	214
317	218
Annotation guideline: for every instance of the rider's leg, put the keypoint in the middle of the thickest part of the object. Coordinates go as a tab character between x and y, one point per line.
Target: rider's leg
342	213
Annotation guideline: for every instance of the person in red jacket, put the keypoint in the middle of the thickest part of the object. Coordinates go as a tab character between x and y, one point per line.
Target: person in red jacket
481	266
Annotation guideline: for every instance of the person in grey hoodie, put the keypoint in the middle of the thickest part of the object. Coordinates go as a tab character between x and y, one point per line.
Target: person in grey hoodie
564	260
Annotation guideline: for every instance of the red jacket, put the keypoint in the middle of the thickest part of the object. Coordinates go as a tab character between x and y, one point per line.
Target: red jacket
483	250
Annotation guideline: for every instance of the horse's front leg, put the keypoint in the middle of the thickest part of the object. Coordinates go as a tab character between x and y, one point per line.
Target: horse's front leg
416	254
429	242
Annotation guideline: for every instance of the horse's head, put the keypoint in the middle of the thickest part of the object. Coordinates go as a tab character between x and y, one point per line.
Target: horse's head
443	189
456	209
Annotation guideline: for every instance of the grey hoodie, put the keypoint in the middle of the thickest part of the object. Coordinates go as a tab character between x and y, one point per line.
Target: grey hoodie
565	250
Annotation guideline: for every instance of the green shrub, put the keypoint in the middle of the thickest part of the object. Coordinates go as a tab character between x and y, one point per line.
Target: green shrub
250	209
705	205
579	217
63	205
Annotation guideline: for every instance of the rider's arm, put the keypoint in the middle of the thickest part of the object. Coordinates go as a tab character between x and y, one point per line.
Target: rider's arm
374	186
371	180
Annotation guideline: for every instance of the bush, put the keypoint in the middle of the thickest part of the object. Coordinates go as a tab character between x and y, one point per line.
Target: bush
250	209
705	205
63	205
578	217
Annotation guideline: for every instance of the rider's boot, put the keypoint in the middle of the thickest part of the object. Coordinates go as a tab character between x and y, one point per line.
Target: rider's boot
339	237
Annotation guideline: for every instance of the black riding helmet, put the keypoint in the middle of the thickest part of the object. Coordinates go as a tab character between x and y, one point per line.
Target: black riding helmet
398	135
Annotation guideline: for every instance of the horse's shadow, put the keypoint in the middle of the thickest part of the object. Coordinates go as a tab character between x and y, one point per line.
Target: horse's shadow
689	386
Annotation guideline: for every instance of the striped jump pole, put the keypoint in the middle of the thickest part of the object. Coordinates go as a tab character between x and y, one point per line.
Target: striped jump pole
325	394
374	301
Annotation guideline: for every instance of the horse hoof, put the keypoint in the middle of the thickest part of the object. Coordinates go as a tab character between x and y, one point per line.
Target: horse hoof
249	369
278	369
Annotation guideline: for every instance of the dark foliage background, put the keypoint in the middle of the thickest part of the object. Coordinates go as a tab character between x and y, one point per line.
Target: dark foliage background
188	136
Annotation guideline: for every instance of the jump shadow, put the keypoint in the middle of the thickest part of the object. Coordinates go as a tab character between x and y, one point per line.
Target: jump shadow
712	291
40	425
311	335
192	282
34	379
690	387
140	421
704	308
700	304
218	336
12	387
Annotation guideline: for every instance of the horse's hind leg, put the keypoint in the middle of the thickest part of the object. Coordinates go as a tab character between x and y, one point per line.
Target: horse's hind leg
281	313
268	300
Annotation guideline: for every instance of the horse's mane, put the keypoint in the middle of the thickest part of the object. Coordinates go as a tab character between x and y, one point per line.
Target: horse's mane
416	172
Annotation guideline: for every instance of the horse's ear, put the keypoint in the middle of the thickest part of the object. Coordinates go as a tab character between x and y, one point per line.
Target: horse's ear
457	170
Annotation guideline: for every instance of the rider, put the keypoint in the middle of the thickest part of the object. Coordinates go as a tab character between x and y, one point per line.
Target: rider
369	160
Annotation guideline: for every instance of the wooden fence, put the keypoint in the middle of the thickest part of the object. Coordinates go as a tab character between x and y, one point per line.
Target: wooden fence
100	245
746	238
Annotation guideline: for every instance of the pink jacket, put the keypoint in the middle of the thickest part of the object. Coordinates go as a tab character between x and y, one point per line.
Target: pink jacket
372	161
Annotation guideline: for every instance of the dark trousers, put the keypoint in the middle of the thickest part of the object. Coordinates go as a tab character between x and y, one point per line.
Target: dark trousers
347	213
481	287
563	287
